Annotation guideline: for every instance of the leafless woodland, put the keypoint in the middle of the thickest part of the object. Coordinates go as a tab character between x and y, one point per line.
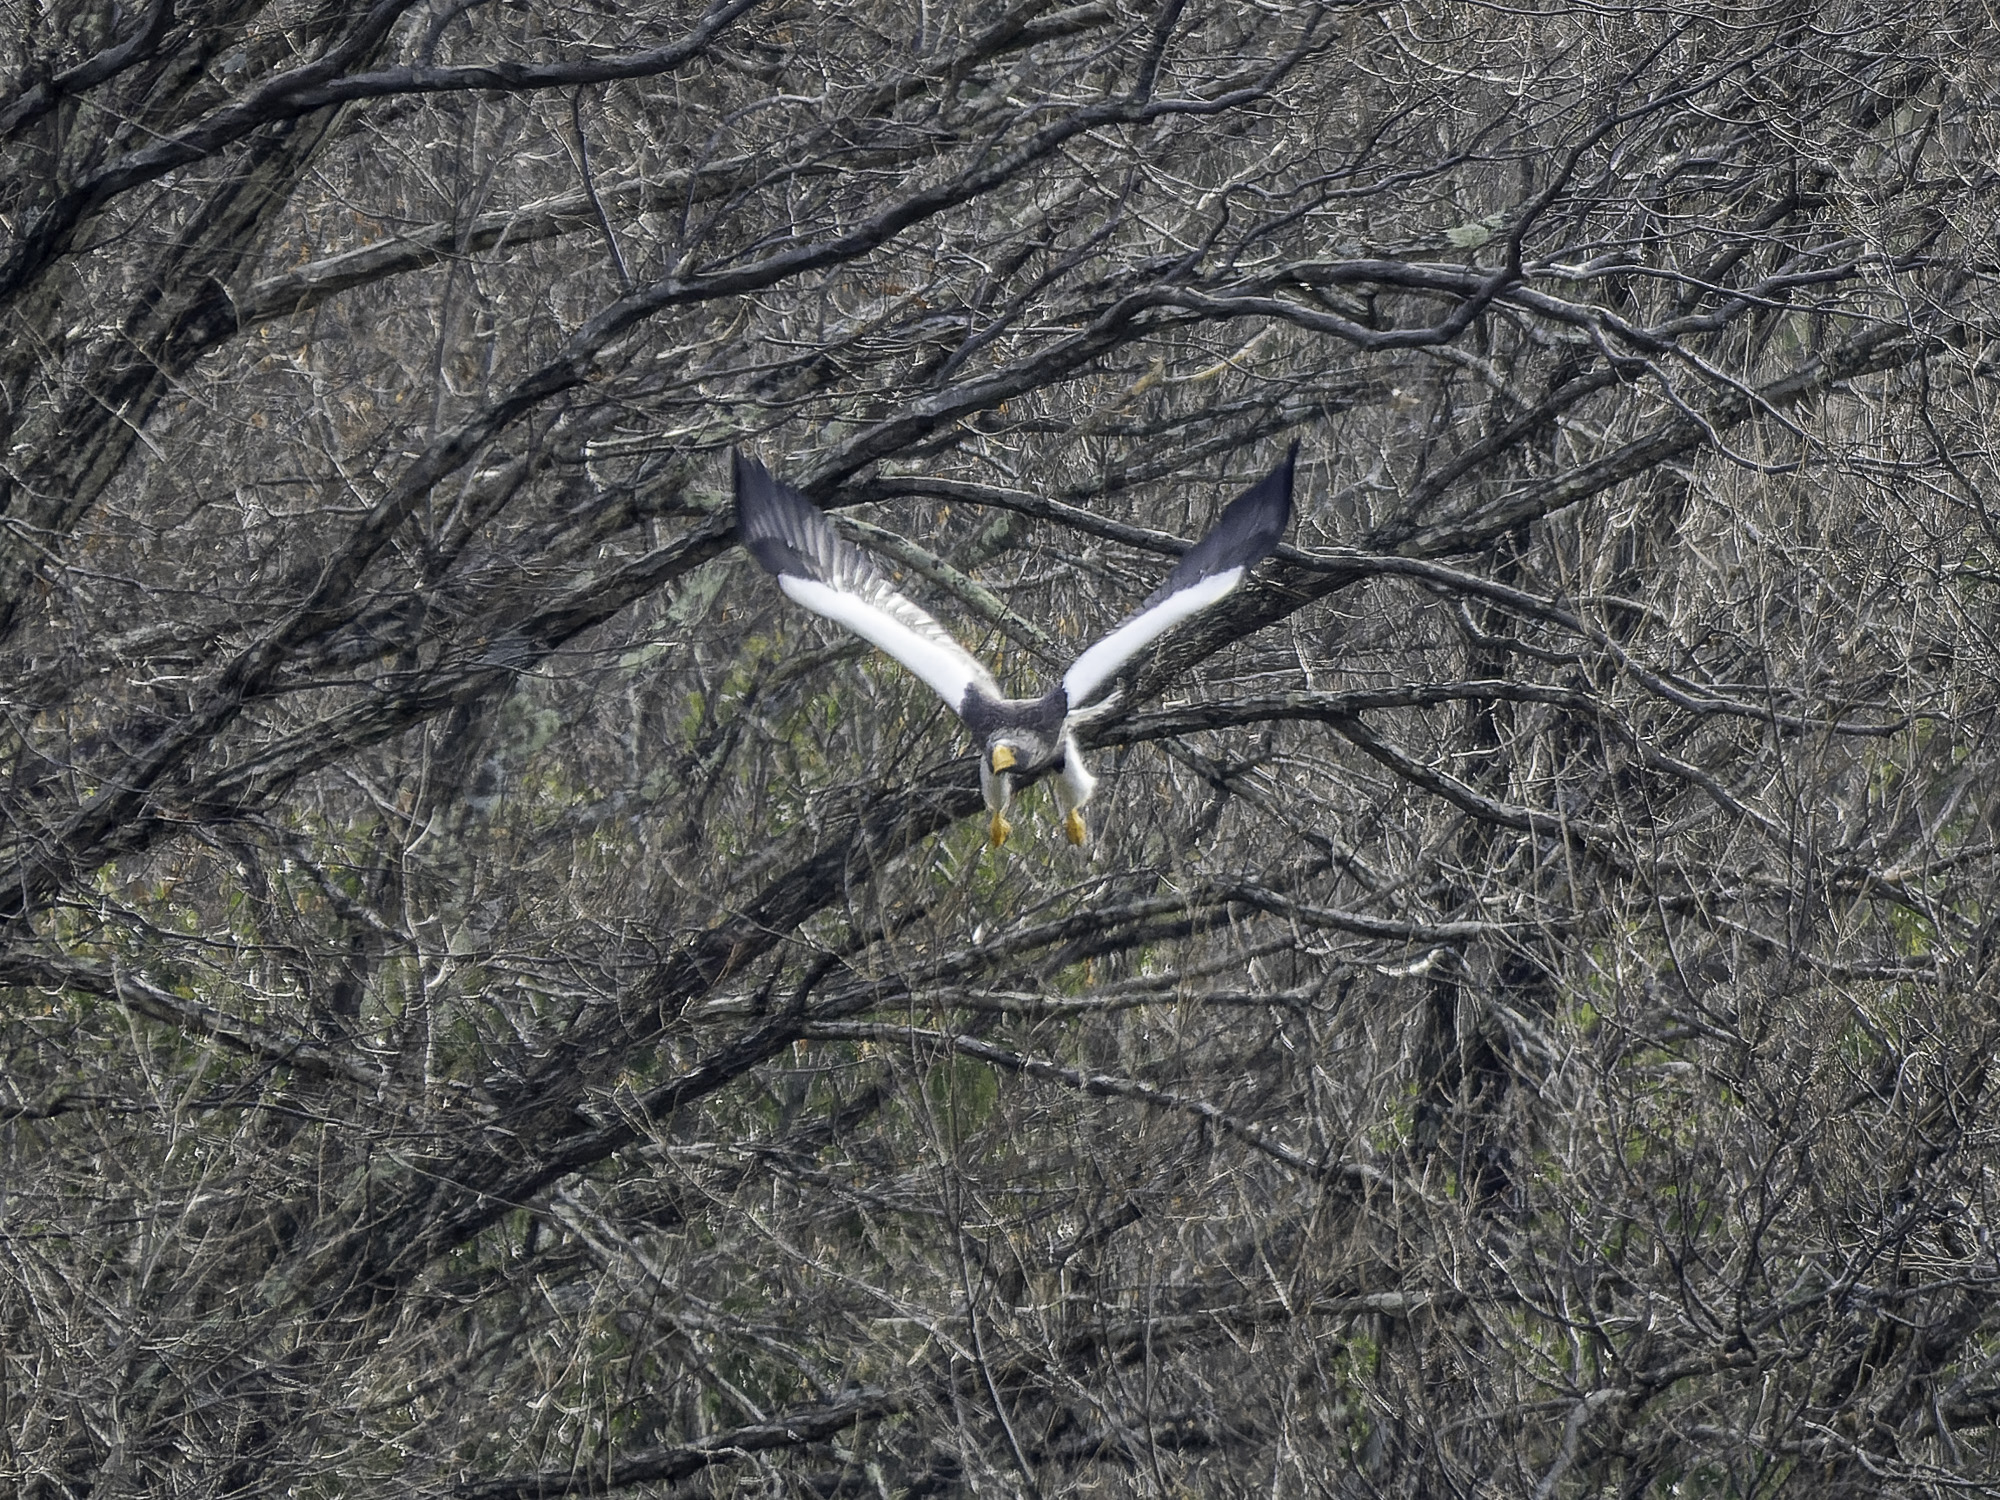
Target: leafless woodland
495	1002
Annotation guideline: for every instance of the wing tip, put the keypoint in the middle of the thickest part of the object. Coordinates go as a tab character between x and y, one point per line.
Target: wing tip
750	480
1288	469
775	524
1278	505
745	475
1266	507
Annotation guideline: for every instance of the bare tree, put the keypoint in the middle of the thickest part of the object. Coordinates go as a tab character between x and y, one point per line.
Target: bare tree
499	1003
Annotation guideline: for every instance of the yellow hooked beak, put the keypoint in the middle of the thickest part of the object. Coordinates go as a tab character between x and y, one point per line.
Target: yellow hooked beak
1003	758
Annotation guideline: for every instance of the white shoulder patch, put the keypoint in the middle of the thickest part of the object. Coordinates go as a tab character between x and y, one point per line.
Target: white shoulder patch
1100	663
947	669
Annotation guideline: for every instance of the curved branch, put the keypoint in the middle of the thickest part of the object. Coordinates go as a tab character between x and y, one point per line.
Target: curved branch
316	86
797	1428
1352	1175
31	104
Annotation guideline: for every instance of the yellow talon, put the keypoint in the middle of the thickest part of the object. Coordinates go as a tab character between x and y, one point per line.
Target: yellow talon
1003	760
1073	828
999	829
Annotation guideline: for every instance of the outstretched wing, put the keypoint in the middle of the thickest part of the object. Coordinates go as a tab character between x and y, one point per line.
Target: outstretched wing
795	543
1245	533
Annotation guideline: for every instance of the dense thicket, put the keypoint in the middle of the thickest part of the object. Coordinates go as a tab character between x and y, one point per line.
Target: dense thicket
499	1003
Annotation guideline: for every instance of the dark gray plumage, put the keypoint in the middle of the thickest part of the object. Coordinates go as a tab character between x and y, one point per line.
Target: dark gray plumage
794	542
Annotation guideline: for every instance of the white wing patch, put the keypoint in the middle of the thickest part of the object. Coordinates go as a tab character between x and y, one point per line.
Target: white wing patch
1100	662
945	667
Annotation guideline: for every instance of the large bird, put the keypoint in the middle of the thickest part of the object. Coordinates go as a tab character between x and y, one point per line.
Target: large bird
795	543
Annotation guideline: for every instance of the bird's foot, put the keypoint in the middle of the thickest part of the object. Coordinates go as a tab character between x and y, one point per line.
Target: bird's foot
998	830
1073	828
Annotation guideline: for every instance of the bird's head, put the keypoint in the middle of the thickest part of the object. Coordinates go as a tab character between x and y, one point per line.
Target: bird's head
1022	752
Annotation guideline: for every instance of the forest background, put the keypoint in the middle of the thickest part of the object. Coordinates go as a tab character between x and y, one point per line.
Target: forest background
495	1002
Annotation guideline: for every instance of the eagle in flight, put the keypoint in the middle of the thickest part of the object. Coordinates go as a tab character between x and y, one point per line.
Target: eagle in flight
794	542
